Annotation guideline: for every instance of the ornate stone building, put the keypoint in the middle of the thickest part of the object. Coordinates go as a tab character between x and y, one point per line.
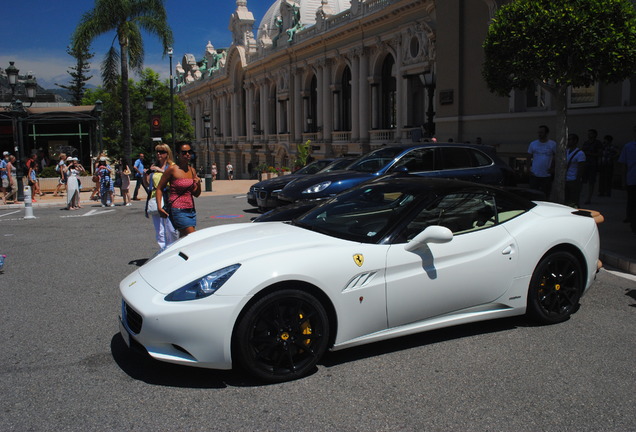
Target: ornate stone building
351	75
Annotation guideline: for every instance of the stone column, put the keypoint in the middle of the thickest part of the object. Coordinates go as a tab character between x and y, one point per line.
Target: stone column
355	96
365	112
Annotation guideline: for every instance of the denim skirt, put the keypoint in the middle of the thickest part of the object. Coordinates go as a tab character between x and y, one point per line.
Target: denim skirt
183	218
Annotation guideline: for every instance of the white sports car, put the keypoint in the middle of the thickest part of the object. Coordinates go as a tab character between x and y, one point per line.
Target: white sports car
386	259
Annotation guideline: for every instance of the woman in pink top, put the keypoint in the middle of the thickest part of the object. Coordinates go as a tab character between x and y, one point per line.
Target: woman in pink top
184	186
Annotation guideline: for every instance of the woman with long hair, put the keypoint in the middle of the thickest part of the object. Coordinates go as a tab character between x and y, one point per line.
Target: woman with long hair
124	175
165	233
184	186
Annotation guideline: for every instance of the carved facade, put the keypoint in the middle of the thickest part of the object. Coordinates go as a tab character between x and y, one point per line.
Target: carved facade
352	75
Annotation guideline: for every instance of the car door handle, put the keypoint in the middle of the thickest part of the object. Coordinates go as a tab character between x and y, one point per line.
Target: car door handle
507	250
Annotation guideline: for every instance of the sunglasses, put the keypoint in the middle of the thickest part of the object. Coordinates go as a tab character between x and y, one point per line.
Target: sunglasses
161	152
185	152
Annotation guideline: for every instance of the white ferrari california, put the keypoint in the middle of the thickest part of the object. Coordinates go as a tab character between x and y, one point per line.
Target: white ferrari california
385	259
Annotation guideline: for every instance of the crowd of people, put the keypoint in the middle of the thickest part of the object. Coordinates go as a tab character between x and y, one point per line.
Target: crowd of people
588	164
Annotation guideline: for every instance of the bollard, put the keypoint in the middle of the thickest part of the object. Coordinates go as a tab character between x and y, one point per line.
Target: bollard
28	207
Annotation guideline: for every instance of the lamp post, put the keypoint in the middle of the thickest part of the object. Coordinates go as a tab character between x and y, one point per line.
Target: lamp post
208	169
310	123
17	111
150	104
429	83
172	125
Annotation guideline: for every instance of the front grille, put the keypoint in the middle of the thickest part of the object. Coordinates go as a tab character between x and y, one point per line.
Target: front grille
134	321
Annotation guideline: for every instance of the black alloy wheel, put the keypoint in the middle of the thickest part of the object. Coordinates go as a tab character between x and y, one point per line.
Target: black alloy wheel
555	288
282	336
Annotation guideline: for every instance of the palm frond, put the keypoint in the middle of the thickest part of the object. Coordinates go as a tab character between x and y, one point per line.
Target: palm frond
110	68
136	50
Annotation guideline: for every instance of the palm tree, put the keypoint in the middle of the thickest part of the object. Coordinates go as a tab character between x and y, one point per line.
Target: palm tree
127	18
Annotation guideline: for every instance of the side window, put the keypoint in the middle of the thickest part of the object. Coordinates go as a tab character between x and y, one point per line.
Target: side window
480	159
508	207
418	160
456	158
460	212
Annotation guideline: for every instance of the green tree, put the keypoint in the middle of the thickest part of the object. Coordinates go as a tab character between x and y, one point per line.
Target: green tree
79	73
127	18
558	44
147	85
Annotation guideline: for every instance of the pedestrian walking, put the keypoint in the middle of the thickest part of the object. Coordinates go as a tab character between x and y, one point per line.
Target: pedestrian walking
230	171
542	151
124	175
73	169
59	169
4	175
139	170
184	186
12	192
165	233
32	176
106	183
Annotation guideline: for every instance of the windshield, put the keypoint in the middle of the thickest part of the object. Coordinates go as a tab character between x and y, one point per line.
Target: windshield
313	167
363	215
338	164
376	160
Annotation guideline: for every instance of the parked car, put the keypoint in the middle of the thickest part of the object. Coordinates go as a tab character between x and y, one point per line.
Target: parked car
386	259
461	161
264	194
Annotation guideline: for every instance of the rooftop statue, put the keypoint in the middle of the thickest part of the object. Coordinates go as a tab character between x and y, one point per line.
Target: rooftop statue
296	24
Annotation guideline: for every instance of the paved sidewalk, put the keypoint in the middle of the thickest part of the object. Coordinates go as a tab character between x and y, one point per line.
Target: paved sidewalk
618	244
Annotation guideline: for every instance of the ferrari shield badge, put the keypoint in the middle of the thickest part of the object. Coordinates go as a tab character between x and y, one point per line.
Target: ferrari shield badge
358	259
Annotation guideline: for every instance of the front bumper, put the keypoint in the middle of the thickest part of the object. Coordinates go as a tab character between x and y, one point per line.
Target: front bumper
196	333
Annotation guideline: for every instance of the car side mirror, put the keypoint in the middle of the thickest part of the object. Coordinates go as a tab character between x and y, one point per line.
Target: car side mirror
432	234
401	169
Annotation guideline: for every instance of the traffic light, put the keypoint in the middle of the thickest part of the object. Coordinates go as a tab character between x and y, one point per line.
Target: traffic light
155	125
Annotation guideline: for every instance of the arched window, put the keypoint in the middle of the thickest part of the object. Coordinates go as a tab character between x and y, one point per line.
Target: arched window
345	100
388	108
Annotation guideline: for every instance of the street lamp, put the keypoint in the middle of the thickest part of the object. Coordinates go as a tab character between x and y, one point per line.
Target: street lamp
208	169
17	111
310	123
150	104
172	125
428	79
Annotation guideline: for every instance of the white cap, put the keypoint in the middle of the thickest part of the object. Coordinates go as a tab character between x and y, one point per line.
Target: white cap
6	153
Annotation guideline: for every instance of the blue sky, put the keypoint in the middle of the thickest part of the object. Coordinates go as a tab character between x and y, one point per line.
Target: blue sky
35	34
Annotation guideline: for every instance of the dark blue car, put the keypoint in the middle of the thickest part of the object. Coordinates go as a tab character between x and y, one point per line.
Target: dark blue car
264	194
469	162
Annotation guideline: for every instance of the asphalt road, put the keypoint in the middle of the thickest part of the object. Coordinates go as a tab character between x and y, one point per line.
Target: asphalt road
64	366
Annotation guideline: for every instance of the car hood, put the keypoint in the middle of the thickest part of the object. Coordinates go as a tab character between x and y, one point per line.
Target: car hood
214	248
301	184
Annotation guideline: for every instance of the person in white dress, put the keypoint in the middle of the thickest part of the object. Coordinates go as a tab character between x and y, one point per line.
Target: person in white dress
72	171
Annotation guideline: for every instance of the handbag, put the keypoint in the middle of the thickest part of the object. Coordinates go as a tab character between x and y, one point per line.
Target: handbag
151	206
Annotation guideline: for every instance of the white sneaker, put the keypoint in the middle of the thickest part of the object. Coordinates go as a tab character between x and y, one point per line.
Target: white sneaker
112	205
103	205
127	204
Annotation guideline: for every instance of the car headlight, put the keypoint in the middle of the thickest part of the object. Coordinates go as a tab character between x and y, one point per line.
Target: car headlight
317	187
203	287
